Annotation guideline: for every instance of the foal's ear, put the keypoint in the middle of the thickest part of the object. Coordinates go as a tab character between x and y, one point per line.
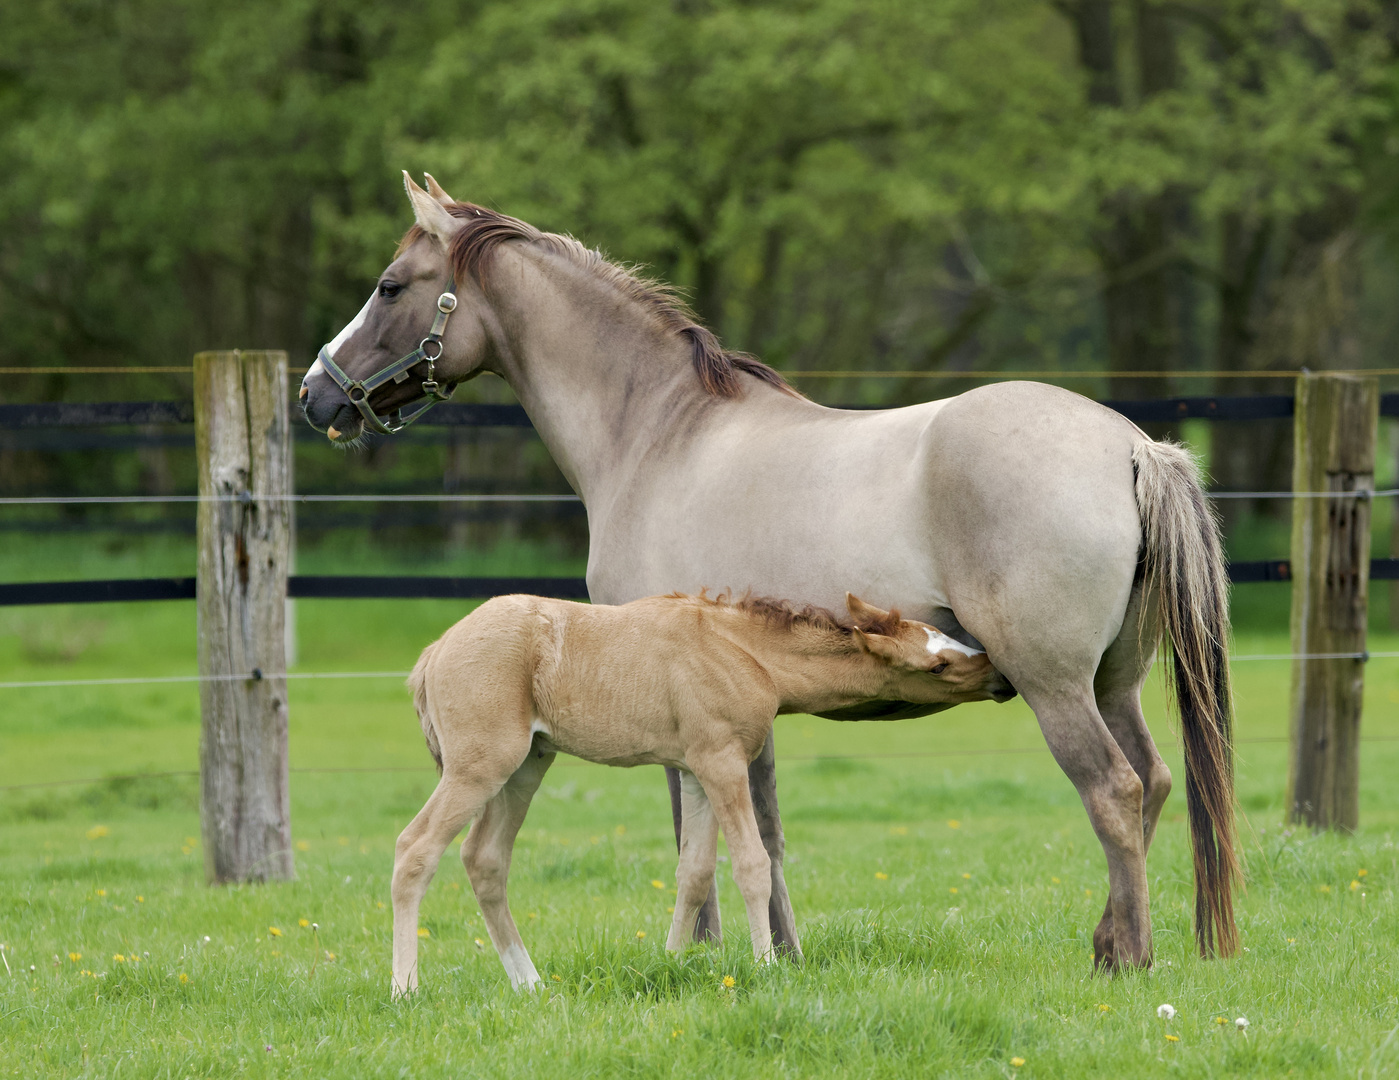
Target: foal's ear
862	612
436	191
431	214
886	648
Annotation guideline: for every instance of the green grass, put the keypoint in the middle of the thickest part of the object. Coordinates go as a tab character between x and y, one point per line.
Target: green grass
904	976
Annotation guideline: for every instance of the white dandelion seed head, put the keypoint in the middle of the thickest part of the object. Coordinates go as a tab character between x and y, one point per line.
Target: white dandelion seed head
1166	1012
316	926
1241	1023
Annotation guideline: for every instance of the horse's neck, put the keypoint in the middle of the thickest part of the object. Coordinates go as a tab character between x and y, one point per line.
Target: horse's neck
813	669
599	380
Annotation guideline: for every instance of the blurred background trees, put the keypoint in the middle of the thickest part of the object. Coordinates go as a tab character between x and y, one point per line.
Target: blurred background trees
836	184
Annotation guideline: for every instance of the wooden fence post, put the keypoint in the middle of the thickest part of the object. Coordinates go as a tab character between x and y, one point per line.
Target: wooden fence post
242	439
1335	427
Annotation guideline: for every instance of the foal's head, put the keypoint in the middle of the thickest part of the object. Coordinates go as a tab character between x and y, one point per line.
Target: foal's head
925	665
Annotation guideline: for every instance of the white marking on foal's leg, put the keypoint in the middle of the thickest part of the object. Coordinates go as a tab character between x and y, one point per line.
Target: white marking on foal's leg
940	642
519	967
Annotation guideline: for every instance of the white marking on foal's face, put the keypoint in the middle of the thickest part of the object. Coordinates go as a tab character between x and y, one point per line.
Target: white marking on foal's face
341	338
940	642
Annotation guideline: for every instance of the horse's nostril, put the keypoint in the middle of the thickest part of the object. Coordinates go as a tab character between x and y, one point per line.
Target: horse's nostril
304	392
332	434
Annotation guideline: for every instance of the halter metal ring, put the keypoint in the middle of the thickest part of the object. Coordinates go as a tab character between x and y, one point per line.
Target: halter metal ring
422	347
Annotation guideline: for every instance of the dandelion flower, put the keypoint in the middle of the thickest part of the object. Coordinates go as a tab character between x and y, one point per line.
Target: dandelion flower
423	931
675	1033
303	923
191	841
184	979
274	931
657	883
1166	1012
1220	1020
880	875
1016	1062
1361	872
1054	881
303	845
1241	1023
101	892
670	911
620	830
1326	888
954	824
118	958
1354	885
899	830
966	877
379	904
1173	1038
1087	892
75	956
1104	1008
728	982
98	831
640	934
555	978
953	890
330	956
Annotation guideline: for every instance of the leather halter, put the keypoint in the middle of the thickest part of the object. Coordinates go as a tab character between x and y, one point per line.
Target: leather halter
358	390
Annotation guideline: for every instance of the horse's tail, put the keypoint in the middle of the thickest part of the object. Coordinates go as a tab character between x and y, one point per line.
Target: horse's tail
417	682
1185	565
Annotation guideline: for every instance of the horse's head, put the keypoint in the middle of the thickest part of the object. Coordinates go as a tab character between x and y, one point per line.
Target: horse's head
925	665
420	333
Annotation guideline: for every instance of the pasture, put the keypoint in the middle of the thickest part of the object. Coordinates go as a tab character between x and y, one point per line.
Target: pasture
944	874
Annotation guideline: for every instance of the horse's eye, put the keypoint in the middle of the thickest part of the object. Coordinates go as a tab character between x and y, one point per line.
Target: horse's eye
940	668
389	289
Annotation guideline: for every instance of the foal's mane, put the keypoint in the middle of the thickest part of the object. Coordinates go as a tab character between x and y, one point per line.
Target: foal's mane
781	614
485	230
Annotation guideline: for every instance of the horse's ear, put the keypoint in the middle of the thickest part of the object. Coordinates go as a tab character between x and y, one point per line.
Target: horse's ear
886	648
431	215
436	191
862	613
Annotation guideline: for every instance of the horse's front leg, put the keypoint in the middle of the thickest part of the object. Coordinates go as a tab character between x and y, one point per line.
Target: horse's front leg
762	789
706	926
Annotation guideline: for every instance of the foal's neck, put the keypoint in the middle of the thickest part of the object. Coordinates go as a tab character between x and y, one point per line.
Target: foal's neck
813	668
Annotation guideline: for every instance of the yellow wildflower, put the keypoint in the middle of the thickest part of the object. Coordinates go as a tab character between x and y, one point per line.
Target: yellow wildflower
1105	1008
1087	892
620	830
1016	1062
880	875
274	931
118	958
423	931
657	883
954	824
1054	880
303	845
555	978
640	934
303	923
1354	885
675	1033
953	890
140	899
966	877
1361	872
1326	888
1173	1038
98	831
184	979
75	956
728	982
101	892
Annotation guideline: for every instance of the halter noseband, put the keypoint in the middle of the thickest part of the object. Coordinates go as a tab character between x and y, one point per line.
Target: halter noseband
358	390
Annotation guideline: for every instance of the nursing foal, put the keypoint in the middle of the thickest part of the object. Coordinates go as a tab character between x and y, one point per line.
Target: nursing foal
683	681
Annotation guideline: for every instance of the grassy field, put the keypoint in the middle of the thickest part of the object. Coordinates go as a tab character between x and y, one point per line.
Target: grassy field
945	879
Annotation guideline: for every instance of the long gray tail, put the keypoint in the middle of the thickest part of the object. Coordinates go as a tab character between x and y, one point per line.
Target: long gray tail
1185	567
417	682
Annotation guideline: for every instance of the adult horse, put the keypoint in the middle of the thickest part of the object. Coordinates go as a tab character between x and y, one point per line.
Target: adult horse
1044	527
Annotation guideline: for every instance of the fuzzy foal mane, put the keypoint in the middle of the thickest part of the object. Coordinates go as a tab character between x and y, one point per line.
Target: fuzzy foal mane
781	614
485	230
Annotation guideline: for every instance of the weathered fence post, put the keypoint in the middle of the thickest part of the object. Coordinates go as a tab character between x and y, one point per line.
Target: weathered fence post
242	439
1335	426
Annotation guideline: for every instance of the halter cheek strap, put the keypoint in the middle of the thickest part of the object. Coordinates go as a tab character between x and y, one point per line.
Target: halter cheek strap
428	351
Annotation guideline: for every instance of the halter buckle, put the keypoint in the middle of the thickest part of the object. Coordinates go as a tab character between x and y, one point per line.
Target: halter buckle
447	303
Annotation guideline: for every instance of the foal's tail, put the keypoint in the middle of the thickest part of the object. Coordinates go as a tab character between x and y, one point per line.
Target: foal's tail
1185	567
417	682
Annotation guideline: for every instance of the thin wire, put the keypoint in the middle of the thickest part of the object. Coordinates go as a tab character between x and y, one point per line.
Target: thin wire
578	762
128	500
1362	493
182	370
845	374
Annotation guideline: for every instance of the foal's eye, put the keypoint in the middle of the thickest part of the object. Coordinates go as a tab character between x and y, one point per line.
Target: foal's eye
940	668
389	289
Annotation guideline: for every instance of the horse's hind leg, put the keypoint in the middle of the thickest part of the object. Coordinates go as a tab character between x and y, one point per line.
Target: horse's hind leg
1112	793
451	806
706	926
1118	688
486	855
762	789
694	875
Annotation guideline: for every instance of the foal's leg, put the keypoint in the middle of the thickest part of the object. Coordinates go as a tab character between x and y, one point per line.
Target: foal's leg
694	876
706	926
451	806
726	785
1112	793
762	789
486	854
1118	687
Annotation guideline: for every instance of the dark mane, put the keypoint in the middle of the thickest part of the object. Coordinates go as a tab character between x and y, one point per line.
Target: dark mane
485	230
781	614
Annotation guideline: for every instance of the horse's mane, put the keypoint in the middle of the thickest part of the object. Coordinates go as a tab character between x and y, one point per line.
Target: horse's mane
781	613
485	230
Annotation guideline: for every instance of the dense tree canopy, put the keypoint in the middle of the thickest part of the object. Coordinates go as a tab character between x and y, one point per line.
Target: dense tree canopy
836	183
